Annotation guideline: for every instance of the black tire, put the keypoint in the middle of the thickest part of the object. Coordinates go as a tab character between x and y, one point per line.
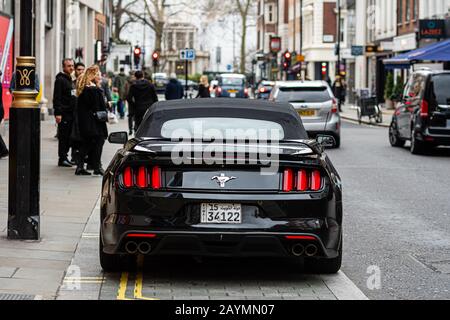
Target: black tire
394	138
115	262
325	266
338	142
417	147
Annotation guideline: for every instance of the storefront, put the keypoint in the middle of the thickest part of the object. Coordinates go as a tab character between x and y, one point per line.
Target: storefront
6	51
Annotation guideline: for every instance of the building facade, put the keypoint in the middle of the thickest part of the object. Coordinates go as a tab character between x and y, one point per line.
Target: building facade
179	36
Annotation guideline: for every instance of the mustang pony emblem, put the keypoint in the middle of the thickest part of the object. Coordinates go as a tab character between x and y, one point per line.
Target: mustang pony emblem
222	180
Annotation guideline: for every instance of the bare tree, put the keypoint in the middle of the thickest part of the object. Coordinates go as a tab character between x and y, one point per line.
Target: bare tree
122	17
244	8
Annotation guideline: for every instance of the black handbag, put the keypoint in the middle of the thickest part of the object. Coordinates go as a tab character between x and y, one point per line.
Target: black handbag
101	116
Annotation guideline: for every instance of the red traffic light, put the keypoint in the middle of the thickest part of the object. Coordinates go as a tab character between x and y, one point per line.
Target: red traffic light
155	56
137	51
287	55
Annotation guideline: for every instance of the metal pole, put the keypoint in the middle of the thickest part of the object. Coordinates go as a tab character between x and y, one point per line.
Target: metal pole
301	27
186	84
25	139
338	72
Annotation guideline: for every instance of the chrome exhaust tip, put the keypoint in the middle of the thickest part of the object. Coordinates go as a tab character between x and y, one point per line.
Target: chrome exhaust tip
145	248
131	247
311	250
298	250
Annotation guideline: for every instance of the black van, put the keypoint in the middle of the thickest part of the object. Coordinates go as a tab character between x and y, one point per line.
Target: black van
423	116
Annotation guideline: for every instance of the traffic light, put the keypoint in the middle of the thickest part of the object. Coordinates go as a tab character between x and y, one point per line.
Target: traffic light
324	70
155	57
287	60
137	55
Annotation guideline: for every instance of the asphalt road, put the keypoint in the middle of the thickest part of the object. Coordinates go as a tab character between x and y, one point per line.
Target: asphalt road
397	216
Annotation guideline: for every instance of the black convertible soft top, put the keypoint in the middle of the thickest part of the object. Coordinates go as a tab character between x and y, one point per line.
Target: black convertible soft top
282	113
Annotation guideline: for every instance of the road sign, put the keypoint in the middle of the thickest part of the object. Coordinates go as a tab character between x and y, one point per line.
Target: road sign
229	67
187	55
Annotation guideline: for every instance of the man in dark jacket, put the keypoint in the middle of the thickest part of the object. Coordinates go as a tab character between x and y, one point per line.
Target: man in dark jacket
141	97
174	89
3	149
120	83
64	103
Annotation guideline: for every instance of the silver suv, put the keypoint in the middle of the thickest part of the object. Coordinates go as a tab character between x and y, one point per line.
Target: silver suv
315	103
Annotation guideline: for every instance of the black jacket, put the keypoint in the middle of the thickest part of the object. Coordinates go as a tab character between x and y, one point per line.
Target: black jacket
203	92
2	111
64	95
90	101
174	90
141	97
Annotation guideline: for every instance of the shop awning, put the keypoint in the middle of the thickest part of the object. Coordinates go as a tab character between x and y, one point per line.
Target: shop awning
439	51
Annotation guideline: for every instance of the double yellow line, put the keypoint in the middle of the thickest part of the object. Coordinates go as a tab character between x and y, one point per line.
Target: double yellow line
138	283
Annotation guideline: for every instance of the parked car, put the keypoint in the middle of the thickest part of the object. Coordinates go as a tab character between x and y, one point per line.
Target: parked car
315	103
232	86
264	90
160	80
152	205
423	115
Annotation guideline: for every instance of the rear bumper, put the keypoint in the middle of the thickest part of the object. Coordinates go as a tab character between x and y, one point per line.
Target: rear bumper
267	219
333	127
436	136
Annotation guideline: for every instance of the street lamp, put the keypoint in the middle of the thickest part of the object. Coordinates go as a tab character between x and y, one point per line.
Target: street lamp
25	139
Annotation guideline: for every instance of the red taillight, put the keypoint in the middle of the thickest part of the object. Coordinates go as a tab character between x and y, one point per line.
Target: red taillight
156	178
334	108
142	178
219	90
141	235
309	238
424	109
288	180
246	91
262	90
316	181
128	177
302	180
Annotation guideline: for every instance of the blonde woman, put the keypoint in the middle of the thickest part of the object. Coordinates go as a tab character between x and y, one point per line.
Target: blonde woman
92	118
203	88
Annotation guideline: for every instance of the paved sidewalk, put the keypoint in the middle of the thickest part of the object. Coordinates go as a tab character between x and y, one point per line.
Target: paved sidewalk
38	268
349	112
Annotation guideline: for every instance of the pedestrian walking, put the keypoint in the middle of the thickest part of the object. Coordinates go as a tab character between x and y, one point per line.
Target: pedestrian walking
130	81
92	116
203	88
64	104
174	89
141	97
3	149
120	83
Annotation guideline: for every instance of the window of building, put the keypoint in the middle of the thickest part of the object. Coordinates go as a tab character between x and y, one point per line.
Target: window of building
408	10
49	13
416	9
270	13
181	41
400	11
191	40
170	41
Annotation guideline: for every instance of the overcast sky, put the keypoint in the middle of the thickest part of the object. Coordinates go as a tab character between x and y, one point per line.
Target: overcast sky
212	34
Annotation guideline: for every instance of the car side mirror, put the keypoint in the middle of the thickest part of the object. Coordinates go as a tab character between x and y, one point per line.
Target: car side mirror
118	138
326	141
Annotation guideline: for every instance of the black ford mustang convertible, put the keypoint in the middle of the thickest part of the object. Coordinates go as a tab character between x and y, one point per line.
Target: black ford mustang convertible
222	178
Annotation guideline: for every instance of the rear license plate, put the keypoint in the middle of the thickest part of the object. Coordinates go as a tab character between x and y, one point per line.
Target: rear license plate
307	113
448	123
221	213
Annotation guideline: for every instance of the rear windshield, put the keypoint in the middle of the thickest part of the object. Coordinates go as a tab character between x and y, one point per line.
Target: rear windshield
224	128
440	88
232	82
304	95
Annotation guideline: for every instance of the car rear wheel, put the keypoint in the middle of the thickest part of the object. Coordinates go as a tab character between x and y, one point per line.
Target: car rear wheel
417	147
338	142
115	262
394	138
325	266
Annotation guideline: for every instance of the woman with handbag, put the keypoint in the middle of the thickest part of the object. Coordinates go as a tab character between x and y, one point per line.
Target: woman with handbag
92	118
